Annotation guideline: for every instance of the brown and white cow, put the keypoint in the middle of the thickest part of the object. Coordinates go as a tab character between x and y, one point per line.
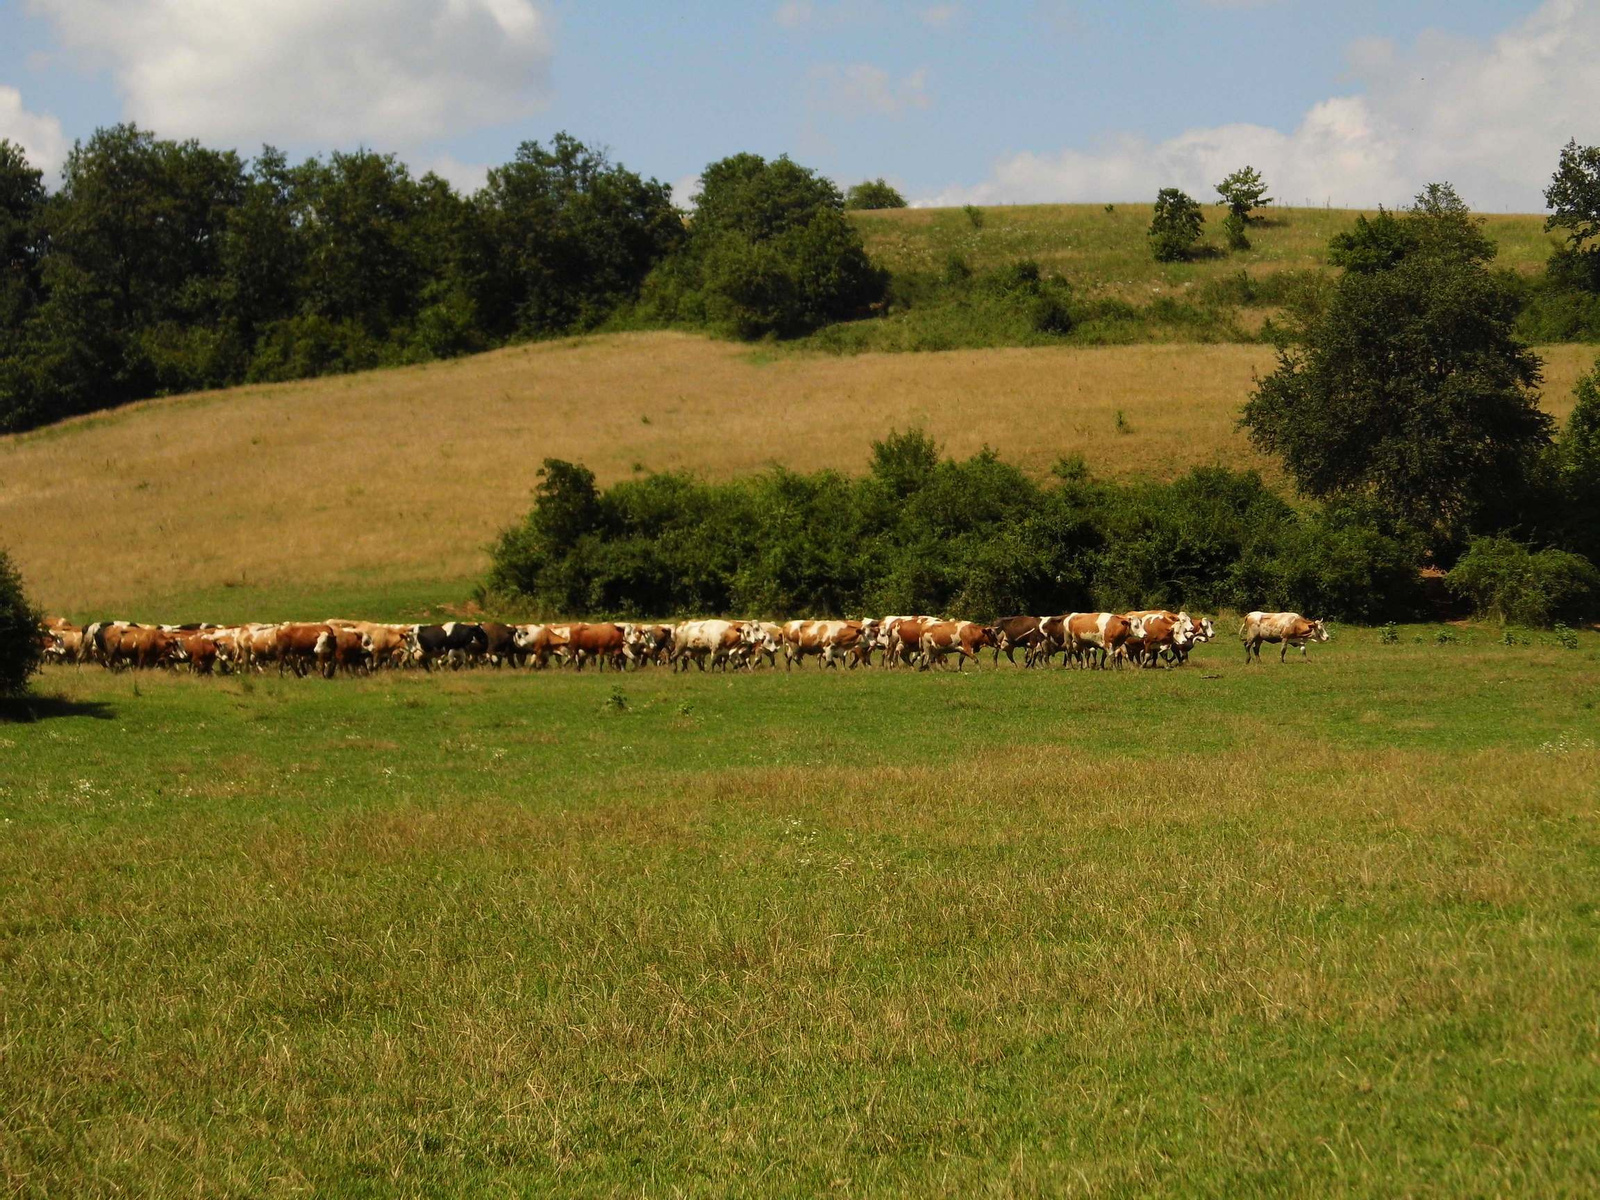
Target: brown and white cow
902	638
1089	639
962	638
1161	632
716	640
831	641
343	649
1289	628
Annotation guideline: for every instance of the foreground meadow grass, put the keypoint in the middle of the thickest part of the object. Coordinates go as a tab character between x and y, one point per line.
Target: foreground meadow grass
1326	928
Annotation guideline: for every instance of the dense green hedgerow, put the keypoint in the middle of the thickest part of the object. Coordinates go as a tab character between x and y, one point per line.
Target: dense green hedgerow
920	533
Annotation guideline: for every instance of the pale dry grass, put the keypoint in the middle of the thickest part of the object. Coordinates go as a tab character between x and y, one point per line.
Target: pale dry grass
407	474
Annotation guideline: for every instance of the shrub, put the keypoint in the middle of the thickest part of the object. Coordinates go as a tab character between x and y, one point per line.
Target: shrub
974	215
20	649
1175	227
1390	635
1233	230
1507	582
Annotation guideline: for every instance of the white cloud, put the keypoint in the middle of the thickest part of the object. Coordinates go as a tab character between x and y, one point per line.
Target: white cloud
863	88
465	177
792	14
39	134
1489	118
685	190
390	72
940	15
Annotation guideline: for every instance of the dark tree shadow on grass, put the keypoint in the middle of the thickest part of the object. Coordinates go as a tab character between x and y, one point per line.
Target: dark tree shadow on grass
26	709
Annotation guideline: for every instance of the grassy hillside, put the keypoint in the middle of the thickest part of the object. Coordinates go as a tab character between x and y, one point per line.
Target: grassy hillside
287	499
870	933
1107	252
944	294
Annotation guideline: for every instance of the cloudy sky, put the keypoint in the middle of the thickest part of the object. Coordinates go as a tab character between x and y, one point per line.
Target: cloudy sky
1007	101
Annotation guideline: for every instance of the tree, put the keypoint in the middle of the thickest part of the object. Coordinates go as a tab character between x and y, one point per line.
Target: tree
1175	227
21	202
873	193
568	236
20	650
769	250
1578	468
1244	191
1409	389
1574	195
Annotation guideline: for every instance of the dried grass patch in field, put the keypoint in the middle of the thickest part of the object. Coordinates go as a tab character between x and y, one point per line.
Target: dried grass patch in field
401	475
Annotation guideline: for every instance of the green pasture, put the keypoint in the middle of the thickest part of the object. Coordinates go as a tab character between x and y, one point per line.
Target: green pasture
1323	928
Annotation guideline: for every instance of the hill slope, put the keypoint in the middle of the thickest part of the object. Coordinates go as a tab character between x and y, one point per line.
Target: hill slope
348	491
1107	252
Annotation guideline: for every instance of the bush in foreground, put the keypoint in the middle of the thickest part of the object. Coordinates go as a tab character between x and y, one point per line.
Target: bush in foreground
20	651
1505	581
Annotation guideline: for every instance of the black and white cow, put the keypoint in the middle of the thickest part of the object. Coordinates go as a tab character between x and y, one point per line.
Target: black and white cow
455	641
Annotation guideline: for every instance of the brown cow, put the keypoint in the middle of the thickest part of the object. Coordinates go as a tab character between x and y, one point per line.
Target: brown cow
603	642
961	638
200	649
138	646
297	645
1012	632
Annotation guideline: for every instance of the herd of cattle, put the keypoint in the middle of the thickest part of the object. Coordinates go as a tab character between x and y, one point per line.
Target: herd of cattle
1150	638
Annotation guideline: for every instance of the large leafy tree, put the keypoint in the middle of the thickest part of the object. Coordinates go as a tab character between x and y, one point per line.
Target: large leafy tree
1574	195
769	250
21	203
1409	388
568	236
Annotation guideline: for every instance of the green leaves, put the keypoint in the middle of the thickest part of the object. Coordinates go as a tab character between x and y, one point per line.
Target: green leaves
1175	227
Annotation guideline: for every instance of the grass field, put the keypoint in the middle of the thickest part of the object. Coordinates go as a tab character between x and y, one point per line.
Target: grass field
1321	929
335	496
1107	253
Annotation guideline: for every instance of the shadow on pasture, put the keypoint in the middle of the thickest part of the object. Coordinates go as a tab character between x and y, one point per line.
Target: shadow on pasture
25	710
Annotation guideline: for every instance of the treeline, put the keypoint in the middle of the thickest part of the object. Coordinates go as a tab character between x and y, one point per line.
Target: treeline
159	267
162	266
920	533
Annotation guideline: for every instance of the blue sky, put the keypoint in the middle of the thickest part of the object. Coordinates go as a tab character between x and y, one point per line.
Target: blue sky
1032	100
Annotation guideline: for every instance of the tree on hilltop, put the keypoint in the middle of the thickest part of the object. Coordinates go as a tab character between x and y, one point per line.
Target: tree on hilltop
872	194
1175	227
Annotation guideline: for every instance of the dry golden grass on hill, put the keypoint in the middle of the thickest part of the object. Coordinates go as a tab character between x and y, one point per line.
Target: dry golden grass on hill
407	474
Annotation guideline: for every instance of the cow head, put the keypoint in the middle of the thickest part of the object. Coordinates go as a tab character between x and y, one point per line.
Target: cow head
1319	631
